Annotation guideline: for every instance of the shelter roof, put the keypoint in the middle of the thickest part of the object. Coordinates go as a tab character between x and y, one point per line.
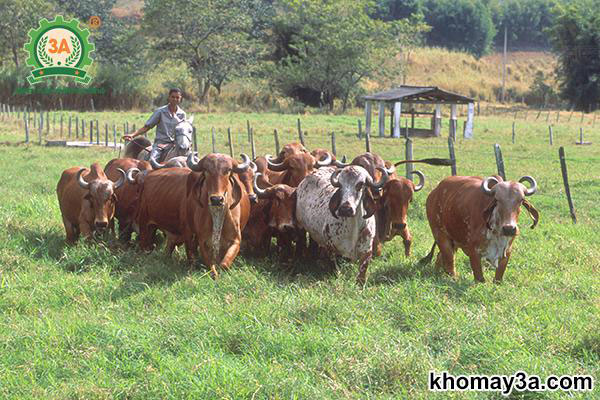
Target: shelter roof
419	94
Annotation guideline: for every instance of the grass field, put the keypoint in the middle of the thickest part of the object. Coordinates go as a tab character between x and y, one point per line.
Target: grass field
98	321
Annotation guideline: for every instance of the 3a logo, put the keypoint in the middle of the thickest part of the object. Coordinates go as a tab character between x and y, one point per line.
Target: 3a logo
59	48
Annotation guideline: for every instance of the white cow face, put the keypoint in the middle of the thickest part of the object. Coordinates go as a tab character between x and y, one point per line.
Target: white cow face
354	184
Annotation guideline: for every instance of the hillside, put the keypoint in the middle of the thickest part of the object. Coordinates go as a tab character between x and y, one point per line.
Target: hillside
479	78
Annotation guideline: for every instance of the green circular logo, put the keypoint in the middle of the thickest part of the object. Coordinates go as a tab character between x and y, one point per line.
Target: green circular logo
59	48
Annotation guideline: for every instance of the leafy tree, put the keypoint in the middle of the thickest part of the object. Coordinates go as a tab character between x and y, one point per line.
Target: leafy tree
460	24
525	20
18	17
329	47
575	36
212	37
391	10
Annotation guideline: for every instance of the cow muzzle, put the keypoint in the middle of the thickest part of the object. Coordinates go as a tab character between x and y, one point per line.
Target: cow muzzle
509	230
101	225
217	201
346	210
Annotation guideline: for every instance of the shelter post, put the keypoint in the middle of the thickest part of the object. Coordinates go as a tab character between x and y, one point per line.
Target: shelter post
381	119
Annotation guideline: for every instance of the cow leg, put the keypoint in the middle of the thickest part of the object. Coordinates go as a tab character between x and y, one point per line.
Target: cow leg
231	253
86	230
377	247
171	243
191	248
71	231
125	230
501	267
446	256
361	278
300	243
405	233
476	266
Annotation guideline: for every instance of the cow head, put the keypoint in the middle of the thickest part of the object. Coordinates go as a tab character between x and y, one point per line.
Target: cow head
282	207
502	214
183	136
217	178
288	150
247	177
397	195
354	186
100	193
297	166
372	163
320	154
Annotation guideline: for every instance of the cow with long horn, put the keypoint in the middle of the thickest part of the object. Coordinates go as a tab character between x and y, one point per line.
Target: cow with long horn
218	208
87	200
479	216
127	194
336	207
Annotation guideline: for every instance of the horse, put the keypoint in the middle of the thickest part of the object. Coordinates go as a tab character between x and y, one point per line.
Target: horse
140	147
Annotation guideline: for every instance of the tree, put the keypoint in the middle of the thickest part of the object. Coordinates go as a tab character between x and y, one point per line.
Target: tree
460	24
212	37
18	17
329	47
525	20
575	36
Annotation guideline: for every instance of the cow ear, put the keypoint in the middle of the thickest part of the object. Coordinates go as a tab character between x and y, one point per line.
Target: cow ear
237	192
334	202
487	213
369	204
535	215
194	186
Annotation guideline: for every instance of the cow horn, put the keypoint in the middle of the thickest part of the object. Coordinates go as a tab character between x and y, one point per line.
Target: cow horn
485	185
130	177
382	181
80	180
333	179
241	168
532	183
253	167
391	169
326	161
193	163
261	193
341	164
273	166
155	164
121	180
421	179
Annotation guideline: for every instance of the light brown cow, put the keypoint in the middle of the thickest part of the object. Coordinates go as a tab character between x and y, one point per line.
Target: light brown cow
127	194
87	200
479	216
217	209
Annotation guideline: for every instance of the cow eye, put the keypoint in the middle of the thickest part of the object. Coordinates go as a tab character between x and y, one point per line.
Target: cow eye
359	186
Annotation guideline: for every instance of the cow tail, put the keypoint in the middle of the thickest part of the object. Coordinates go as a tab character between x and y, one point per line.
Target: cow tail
427	259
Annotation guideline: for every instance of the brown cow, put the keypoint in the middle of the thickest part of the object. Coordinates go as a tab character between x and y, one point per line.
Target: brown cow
218	208
274	215
127	194
296	167
87	200
163	197
479	216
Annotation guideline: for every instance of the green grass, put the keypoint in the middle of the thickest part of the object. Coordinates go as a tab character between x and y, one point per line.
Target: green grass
97	321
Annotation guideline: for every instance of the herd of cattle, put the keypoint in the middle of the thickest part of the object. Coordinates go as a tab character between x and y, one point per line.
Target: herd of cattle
216	204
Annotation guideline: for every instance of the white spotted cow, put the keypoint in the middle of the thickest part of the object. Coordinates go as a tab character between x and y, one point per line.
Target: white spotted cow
336	207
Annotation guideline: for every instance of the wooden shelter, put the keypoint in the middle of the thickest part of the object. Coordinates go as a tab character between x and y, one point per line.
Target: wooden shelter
417	95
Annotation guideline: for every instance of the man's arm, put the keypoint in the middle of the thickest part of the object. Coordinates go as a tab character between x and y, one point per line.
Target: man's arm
140	131
151	123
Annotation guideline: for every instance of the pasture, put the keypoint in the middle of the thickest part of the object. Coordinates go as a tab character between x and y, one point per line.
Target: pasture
99	321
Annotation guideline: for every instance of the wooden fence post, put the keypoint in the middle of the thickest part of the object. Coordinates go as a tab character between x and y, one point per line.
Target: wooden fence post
114	135
26	129
230	143
333	146
194	139
105	134
368	142
276	137
61	125
248	130
40	127
409	156
563	167
77	127
212	132
300	133
499	161
550	135
513	132
452	155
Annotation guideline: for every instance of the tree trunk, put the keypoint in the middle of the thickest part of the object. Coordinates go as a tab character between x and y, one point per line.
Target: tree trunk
15	55
203	87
